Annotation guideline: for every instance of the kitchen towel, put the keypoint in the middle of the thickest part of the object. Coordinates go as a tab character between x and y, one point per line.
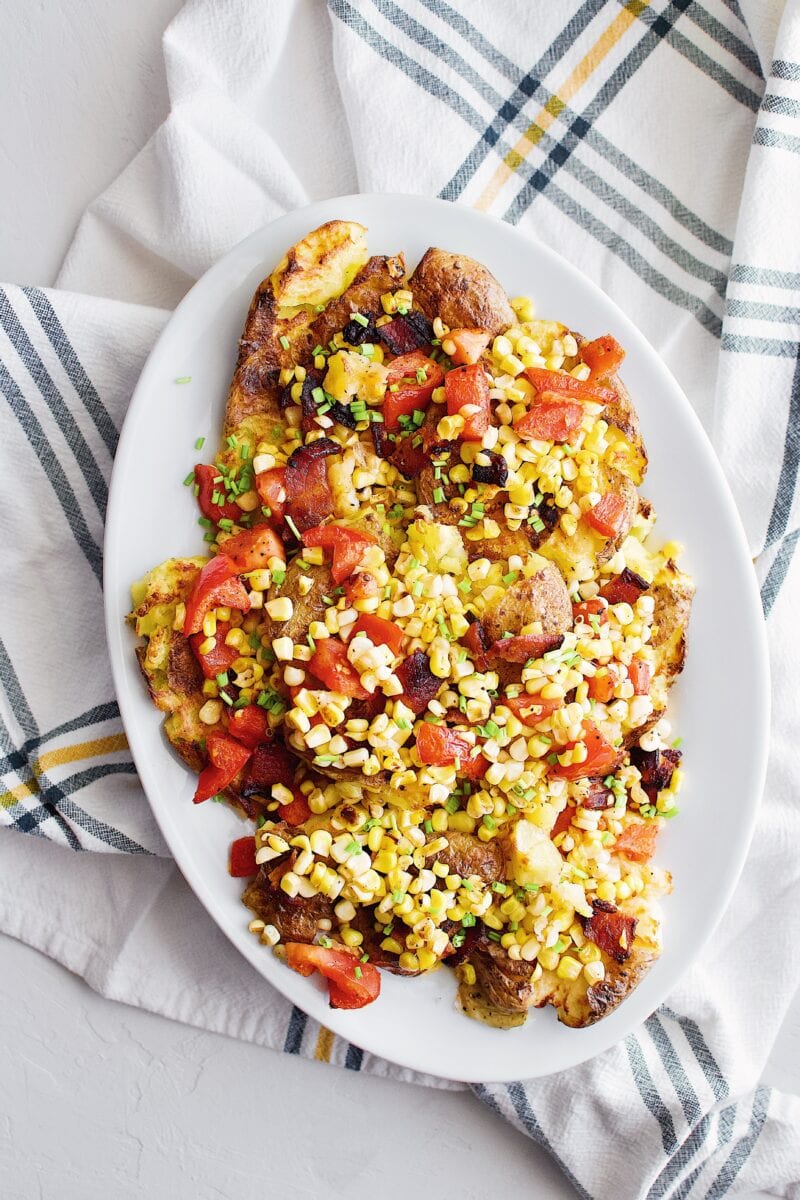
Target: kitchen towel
656	146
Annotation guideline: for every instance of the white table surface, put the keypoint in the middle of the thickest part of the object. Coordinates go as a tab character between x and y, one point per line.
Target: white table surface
99	1101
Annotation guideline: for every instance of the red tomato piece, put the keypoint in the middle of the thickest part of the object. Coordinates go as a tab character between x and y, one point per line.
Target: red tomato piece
531	710
603	356
638	841
469	386
308	494
216	661
217	586
227	510
563	821
610	929
524	646
351	983
418	681
551	421
296	812
601	757
440	746
271	488
330	665
625	588
544	380
252	549
227	757
608	515
587	609
347	547
469	345
379	631
639	674
415	376
249	725
242	858
360	586
602	684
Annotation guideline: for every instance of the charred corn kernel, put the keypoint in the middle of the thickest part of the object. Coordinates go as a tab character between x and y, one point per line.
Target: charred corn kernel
211	712
307	702
210	688
351	937
332	714
297	719
210	624
408	961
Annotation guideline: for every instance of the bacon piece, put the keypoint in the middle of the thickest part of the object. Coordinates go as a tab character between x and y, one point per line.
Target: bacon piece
656	768
407	332
524	646
610	930
420	685
308	494
496	472
477	642
271	763
599	797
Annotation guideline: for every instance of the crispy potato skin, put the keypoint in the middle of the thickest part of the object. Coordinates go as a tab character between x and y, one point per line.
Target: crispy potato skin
543	598
672	592
461	291
467	855
296	918
380	274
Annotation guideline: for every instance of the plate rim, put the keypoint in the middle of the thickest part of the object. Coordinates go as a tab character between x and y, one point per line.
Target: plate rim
294	987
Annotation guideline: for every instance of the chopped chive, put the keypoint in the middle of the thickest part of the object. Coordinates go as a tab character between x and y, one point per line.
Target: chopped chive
201	441
292	526
278	577
361	319
184	379
468	919
189	480
284	341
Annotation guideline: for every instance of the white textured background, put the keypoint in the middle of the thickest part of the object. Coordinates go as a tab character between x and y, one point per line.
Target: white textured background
99	1101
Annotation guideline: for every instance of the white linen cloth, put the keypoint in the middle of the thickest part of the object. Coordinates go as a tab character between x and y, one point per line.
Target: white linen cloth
656	145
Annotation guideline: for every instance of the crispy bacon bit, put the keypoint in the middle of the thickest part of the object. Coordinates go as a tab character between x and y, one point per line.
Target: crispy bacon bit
610	930
524	646
412	331
308	495
477	642
496	472
656	768
271	763
356	334
625	588
598	797
420	685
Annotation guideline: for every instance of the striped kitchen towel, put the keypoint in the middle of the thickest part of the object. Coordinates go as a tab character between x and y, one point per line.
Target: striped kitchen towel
654	144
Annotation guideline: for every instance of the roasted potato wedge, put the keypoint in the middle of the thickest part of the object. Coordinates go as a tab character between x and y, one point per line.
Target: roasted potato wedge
461	291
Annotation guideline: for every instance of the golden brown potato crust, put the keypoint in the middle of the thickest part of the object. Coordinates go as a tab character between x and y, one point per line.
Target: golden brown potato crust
543	598
461	291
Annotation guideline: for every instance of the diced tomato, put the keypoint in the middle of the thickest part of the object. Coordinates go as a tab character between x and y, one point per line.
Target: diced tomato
551	421
602	684
610	929
588	609
544	380
379	631
638	841
563	821
409	453
217	586
360	586
625	588
524	646
531	710
271	488
418	681
603	356
346	546
252	549
469	345
242	858
216	661
415	376
296	812
440	746
228	510
227	757
639	674
330	665
271	763
249	725
351	983
309	499
601	757
469	386
608	515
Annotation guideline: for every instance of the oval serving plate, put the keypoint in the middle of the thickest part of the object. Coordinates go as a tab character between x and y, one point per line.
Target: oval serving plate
416	1022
